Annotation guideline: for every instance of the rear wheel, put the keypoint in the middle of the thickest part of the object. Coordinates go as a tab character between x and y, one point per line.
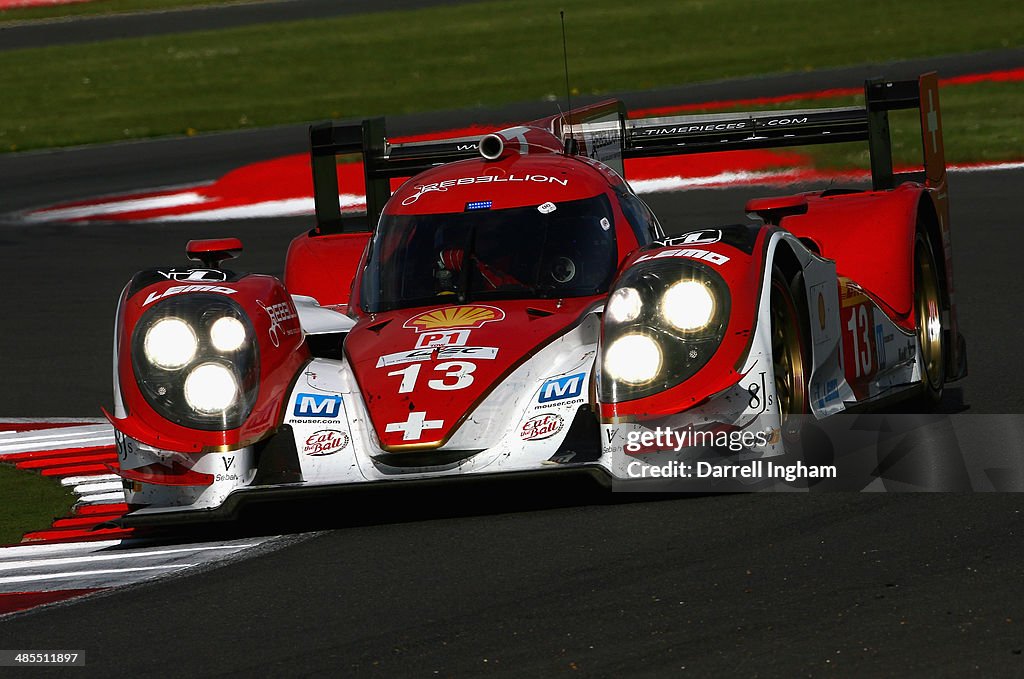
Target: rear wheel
928	307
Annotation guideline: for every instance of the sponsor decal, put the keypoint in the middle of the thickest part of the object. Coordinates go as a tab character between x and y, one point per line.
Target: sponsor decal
179	289
705	237
439	353
690	129
546	208
443	338
562	388
541	426
485	179
692	253
325	442
454	318
325	406
229	462
780	122
759	398
413	427
279	314
831	393
206	275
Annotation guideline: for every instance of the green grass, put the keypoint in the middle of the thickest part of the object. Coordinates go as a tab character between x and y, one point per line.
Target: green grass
31	502
100	7
451	57
981	122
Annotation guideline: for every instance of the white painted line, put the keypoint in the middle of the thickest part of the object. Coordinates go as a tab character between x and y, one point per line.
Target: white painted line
89	489
987	167
25	564
89	480
101	499
289	207
117	206
78	575
35	550
60	434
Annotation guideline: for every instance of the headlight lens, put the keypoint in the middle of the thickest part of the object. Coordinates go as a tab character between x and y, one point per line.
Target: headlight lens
170	343
663	322
210	388
196	361
624	305
633	358
688	306
227	334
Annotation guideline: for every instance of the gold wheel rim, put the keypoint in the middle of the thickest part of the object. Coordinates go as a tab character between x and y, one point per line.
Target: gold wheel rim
929	326
787	355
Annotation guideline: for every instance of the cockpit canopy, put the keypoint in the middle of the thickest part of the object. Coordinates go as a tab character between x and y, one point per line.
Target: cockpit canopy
552	250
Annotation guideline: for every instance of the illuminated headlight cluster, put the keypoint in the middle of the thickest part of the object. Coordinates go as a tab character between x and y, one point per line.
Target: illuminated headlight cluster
196	361
662	323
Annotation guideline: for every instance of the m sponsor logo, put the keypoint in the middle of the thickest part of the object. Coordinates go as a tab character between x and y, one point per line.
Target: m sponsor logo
562	388
325	406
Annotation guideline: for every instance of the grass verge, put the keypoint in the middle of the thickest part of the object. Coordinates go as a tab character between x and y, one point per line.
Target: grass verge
31	502
486	53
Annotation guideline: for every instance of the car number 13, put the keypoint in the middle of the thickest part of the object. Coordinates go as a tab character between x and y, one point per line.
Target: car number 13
457	375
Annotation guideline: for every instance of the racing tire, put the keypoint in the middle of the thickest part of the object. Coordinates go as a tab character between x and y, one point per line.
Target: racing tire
790	353
928	306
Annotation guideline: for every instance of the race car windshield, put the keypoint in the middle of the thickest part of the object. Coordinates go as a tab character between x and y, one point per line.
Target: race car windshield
552	250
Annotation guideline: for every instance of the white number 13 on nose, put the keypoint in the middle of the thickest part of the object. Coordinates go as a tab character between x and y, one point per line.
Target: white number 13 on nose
457	375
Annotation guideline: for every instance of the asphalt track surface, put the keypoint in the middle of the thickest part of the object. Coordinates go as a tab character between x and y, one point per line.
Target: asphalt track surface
98	28
538	580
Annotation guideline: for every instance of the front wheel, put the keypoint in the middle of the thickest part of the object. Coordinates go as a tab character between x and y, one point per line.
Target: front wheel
790	356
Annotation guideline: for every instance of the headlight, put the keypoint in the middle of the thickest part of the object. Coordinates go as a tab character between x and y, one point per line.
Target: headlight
170	343
210	389
227	334
663	322
196	361
624	305
688	305
633	358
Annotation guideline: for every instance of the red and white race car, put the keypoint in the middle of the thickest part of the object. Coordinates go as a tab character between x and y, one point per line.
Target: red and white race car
515	308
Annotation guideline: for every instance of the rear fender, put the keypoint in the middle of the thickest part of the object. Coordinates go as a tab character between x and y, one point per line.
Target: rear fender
325	267
870	236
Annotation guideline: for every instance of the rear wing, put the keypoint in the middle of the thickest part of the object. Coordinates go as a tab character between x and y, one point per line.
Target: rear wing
602	131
